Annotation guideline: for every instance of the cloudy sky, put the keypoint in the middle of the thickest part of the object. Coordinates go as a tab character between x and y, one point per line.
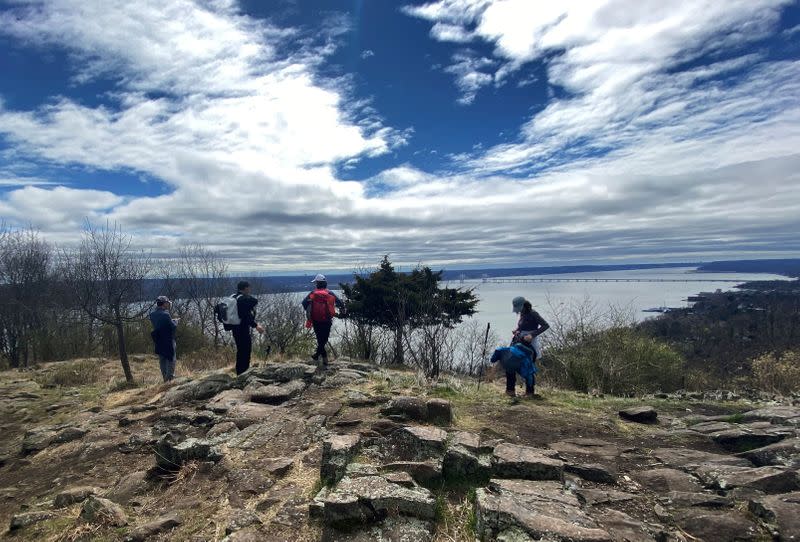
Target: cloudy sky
321	134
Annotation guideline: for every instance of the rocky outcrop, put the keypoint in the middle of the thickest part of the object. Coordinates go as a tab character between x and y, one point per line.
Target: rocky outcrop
785	453
436	411
770	480
197	390
542	510
152	528
103	511
524	462
781	512
337	452
26	519
643	414
171	454
467	459
373	498
74	495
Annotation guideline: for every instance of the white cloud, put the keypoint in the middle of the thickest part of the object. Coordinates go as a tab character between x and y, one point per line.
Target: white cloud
367	53
470	77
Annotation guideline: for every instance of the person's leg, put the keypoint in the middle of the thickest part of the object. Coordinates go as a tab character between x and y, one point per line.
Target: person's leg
325	333
511	382
162	363
171	362
244	345
530	387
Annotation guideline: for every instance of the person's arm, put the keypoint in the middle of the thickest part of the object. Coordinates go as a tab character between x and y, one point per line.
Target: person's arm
540	322
339	303
306	301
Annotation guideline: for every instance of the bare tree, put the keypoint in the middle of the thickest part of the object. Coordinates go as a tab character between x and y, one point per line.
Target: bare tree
25	278
473	346
284	320
106	276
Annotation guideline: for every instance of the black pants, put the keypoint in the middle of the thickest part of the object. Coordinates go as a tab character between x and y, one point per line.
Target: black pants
511	382
322	330
244	346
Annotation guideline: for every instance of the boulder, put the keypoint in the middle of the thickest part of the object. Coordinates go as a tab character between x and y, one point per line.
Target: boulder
103	511
642	414
664	480
223	428
222	402
337	452
129	486
523	462
743	438
171	455
774	414
197	390
36	440
712	525
371	498
74	495
419	442
782	512
439	412
593	472
425	473
412	408
542	510
68	434
152	528
770	480
785	453
274	394
688	459
463	463
26	519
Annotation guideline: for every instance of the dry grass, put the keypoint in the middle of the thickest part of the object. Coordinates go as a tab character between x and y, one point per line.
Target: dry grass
456	520
67	374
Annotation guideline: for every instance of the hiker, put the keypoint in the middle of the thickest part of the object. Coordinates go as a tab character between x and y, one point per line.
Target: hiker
320	306
518	358
163	335
240	321
530	323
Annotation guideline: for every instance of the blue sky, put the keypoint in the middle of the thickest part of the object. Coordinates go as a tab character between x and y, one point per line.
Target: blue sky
321	134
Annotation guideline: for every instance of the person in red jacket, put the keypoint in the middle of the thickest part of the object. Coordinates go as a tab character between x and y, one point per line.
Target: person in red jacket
320	306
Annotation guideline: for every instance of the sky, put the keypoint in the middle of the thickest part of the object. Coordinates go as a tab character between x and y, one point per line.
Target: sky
300	135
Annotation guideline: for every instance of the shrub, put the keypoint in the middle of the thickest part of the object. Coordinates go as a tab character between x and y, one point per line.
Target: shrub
777	373
618	361
70	374
205	359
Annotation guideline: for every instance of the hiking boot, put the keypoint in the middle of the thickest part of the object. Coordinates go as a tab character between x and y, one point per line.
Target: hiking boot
511	394
315	356
533	396
324	361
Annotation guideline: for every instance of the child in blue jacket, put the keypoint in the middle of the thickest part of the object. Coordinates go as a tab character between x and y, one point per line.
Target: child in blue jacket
518	358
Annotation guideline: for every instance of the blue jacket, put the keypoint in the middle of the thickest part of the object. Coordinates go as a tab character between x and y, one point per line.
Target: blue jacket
518	358
163	333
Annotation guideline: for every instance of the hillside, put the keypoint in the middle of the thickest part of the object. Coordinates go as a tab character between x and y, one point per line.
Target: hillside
287	452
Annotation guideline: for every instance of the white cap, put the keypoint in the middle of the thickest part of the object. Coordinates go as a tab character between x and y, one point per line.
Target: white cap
319	278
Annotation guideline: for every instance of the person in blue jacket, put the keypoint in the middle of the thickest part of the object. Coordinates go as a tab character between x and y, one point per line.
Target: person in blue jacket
163	335
518	358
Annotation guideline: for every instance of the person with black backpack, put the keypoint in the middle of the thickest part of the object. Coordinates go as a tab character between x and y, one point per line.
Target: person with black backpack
238	315
320	306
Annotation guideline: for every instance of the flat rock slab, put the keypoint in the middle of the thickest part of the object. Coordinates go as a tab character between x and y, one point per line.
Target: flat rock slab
419	442
774	414
593	497
246	414
337	452
196	390
770	480
270	373
103	511
642	414
542	510
782	512
171	455
785	453
26	519
426	473
664	480
463	464
712	525
593	472
688	459
275	394
397	529
282	435
743	438
224	401
438	411
712	427
152	528
371	498
526	463
74	495
684	499
623	527
587	446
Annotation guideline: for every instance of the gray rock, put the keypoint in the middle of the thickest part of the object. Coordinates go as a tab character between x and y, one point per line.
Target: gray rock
593	497
780	511
439	412
171	455
73	495
371	498
26	519
425	473
337	452
129	487
241	519
400	478
623	527
270	373
464	464
543	510
587	446
354	470
247	414
411	408
785	453
773	414
664	480
744	438
419	442
223	428
103	511
222	402
152	528
197	390
523	462
36	440
392	529
689	459
642	414
712	427
770	480
68	434
683	499
711	525
275	394
593	472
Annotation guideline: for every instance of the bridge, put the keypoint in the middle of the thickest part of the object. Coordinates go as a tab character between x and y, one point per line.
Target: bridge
605	279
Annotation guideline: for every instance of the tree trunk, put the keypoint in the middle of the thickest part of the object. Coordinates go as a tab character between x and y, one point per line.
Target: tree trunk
399	358
123	352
